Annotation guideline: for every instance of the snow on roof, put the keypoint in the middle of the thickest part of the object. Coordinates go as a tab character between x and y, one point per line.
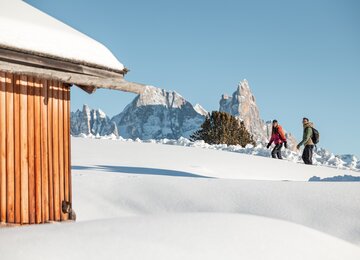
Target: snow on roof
28	29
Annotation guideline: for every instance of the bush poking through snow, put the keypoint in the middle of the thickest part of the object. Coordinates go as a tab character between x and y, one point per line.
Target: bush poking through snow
223	128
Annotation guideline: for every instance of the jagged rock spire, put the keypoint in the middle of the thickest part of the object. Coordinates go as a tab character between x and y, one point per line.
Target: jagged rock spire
242	105
91	122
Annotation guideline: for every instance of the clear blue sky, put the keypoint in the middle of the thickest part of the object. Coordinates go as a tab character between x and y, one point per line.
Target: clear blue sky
301	58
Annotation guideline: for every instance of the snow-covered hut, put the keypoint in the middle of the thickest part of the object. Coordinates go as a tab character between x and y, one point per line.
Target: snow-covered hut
40	58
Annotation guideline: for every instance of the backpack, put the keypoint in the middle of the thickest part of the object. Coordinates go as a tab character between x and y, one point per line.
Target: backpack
315	136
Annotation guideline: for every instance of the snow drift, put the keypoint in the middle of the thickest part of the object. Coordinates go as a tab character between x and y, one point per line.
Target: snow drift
139	200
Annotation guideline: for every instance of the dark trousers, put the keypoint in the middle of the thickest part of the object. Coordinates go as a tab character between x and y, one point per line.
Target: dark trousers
308	154
276	152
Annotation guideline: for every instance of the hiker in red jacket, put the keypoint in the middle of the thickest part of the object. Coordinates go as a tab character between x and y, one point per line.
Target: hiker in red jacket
278	137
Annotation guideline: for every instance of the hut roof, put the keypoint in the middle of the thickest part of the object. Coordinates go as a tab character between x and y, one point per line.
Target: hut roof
26	28
56	50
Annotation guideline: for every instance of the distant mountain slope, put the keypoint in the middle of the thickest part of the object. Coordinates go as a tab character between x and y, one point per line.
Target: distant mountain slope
91	122
157	114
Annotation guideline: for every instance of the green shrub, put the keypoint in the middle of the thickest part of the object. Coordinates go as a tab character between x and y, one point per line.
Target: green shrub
223	128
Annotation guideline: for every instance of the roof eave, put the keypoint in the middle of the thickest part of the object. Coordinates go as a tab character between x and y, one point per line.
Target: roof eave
87	77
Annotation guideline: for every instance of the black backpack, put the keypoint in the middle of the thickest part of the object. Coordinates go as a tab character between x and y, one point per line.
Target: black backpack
315	136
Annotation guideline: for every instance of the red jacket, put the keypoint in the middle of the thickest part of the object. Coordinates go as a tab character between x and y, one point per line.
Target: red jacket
277	135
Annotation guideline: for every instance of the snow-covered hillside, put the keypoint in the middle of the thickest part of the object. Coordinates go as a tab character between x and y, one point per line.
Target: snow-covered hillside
139	200
321	156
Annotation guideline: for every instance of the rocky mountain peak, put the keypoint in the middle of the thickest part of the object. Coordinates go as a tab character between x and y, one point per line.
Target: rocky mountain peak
242	104
158	96
157	114
91	122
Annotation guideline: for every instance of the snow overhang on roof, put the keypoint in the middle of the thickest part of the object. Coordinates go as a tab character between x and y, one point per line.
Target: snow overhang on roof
32	39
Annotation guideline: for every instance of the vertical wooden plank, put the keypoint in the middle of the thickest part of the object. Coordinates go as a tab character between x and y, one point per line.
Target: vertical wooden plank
56	151
69	150
66	144
37	118
61	146
24	165
10	144
17	149
50	150
2	147
31	149
44	151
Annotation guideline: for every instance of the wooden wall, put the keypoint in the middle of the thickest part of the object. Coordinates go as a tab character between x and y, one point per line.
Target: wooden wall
35	173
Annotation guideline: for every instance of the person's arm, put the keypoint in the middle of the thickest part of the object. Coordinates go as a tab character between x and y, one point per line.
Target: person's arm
282	134
306	137
270	142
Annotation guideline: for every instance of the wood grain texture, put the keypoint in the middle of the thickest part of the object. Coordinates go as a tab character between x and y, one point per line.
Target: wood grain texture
38	160
17	149
66	146
35	156
24	163
50	150
44	151
61	146
56	167
10	150
31	149
2	147
69	150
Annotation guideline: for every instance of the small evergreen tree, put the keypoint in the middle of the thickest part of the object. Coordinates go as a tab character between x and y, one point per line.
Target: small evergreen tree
223	128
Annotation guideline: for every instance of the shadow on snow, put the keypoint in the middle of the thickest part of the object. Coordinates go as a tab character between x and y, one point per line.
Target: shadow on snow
136	170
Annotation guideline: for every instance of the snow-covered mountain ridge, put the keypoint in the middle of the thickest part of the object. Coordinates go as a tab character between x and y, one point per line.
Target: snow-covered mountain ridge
91	122
156	113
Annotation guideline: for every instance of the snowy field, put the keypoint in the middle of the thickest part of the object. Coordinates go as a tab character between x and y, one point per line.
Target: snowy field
138	200
321	157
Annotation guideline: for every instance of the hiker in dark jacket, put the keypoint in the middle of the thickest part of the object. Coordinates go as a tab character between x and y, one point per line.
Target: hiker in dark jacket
307	141
278	137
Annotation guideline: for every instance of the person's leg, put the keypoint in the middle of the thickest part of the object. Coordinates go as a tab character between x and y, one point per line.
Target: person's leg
306	155
273	152
279	151
276	152
311	148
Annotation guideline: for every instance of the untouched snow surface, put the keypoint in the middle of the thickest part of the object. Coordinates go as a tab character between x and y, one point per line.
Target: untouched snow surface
27	28
180	236
152	201
321	157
